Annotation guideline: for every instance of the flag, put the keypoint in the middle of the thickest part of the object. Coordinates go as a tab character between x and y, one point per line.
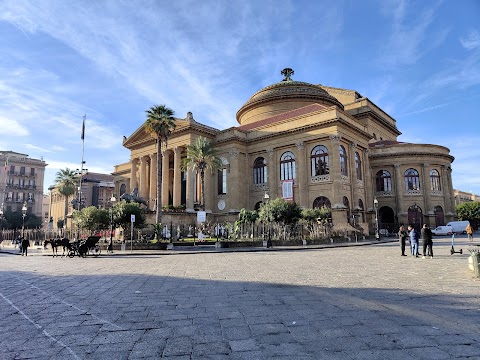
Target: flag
6	164
83	127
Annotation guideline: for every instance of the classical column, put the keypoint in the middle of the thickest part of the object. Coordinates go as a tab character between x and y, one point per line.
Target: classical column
191	176
272	173
133	174
237	180
335	171
177	176
142	188
302	175
427	203
165	176
153	181
208	190
353	176
398	189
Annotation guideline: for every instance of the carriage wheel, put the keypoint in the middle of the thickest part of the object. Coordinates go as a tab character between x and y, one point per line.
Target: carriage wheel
71	253
83	254
96	251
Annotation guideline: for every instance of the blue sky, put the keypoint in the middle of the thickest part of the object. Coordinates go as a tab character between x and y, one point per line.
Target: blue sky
112	60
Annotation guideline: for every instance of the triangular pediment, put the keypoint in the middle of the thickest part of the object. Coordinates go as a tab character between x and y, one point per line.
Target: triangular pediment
142	137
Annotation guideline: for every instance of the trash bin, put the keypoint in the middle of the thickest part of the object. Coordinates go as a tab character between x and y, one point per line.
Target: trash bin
476	265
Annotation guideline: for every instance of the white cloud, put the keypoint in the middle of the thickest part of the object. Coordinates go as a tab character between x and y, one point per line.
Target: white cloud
10	127
409	39
472	41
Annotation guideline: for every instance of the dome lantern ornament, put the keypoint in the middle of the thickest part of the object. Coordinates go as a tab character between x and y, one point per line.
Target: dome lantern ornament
287	72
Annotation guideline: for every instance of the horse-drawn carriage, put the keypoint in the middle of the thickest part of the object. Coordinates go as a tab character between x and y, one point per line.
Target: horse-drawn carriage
82	248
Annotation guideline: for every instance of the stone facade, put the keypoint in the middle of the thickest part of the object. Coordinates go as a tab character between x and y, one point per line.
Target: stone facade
21	182
328	146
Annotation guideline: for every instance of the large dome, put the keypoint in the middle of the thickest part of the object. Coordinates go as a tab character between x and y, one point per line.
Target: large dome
281	97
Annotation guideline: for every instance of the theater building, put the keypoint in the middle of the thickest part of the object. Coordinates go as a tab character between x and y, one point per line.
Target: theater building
312	144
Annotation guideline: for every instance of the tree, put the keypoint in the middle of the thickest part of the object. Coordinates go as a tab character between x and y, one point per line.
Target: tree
160	123
201	155
92	219
280	211
122	212
66	181
469	211
312	218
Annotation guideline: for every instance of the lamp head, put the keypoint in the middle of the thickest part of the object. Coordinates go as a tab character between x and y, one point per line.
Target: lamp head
24	208
375	202
113	199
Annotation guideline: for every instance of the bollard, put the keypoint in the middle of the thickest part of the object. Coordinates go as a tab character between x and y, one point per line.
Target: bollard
476	265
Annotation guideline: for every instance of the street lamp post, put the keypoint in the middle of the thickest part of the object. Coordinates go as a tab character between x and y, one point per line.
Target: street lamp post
112	201
266	197
24	213
1	222
375	205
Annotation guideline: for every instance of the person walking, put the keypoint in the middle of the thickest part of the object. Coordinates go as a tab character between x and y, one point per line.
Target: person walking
402	238
412	234
469	231
25	245
427	241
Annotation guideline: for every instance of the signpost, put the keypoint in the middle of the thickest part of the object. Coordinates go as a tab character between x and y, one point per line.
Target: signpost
132	220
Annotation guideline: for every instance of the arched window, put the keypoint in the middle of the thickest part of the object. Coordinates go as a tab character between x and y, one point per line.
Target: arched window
383	181
319	161
358	166
287	166
222	177
343	161
259	171
412	181
435	180
321	201
123	189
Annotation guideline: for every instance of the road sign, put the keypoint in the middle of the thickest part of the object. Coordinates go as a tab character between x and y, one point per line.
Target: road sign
132	218
201	216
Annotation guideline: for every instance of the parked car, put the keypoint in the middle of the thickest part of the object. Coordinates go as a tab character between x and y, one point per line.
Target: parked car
442	230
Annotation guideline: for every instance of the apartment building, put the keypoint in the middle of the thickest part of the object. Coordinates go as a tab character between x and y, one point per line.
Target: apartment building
21	182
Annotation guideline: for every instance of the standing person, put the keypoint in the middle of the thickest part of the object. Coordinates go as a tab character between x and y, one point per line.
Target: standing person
25	245
427	241
413	240
469	231
402	238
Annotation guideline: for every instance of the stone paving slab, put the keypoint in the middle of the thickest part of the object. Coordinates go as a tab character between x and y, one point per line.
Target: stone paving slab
357	302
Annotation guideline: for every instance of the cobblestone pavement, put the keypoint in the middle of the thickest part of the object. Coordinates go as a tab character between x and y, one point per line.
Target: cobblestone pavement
363	302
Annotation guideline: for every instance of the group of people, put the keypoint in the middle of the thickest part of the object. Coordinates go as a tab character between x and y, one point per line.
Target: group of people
413	236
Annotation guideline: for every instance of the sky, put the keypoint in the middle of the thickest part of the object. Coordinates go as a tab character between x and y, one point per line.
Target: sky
112	60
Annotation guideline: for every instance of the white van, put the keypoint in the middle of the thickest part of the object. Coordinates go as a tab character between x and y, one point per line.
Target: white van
442	230
459	226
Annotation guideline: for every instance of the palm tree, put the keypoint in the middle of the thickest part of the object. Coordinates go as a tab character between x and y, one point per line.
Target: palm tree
66	181
160	123
200	156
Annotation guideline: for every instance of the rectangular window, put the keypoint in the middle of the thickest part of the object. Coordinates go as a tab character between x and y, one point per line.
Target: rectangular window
12	169
222	181
32	171
22	170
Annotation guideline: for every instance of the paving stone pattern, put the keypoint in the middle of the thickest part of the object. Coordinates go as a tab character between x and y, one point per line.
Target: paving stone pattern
340	303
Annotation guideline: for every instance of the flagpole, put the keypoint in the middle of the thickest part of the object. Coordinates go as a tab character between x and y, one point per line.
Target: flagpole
81	167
